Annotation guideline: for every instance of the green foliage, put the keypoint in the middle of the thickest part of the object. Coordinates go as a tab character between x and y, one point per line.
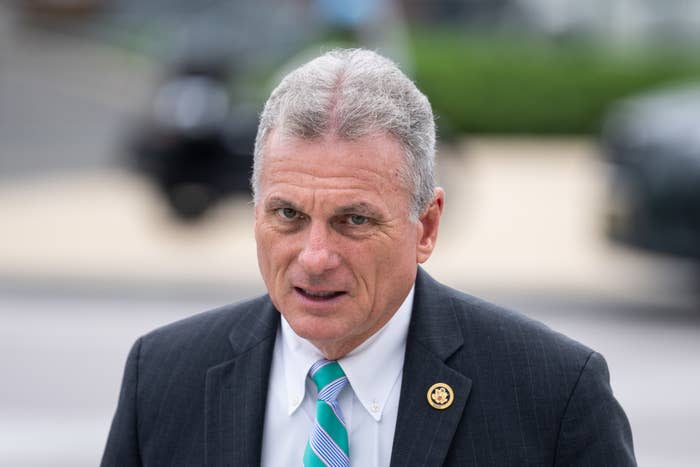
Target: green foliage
481	84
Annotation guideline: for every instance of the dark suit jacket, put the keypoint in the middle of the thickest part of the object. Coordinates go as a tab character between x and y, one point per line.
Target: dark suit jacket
194	392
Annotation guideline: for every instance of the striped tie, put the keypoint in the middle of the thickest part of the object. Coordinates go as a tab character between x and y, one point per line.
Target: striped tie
328	444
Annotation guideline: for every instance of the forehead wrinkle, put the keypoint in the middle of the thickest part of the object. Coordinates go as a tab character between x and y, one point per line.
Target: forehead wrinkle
307	181
331	168
296	169
348	194
338	165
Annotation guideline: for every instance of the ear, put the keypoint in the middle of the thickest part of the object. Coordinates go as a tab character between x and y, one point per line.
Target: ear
428	229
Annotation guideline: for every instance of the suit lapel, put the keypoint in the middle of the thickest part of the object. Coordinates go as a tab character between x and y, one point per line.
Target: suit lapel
236	391
423	434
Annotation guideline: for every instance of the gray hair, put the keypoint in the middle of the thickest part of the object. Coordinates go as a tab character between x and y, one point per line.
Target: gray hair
354	93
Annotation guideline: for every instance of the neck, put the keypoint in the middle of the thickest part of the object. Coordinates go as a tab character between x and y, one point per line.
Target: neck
336	350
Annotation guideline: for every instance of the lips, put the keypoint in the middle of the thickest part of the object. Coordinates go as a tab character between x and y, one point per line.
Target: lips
318	295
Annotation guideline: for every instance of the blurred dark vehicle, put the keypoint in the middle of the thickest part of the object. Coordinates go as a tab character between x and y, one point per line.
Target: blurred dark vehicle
196	143
653	143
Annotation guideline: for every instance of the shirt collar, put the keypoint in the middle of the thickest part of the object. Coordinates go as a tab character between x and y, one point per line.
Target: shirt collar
372	368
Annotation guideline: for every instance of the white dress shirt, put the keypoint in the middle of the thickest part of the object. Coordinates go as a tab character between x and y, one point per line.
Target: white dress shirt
370	402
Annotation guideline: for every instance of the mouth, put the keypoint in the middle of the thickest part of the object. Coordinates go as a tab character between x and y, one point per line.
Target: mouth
319	295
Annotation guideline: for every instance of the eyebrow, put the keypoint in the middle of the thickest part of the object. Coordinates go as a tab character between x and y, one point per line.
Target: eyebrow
276	202
363	209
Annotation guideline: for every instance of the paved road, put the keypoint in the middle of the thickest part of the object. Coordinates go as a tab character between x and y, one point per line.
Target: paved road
61	357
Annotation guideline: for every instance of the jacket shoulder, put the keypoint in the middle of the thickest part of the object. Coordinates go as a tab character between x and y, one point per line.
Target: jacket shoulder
509	330
218	318
513	325
212	335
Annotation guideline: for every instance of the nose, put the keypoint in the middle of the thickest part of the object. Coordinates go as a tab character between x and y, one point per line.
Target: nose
318	254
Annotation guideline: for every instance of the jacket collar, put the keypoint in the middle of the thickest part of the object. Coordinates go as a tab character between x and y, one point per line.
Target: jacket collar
434	322
424	434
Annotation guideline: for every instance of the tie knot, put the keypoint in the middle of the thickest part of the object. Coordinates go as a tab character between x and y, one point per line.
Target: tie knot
329	378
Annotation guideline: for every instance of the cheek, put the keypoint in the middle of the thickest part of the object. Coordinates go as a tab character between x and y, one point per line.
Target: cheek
396	261
380	262
275	252
266	249
401	249
262	246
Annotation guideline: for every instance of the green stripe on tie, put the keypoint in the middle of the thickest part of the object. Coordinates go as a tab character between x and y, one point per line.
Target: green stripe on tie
327	419
326	374
311	459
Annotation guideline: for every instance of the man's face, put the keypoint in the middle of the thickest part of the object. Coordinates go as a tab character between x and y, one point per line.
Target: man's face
336	248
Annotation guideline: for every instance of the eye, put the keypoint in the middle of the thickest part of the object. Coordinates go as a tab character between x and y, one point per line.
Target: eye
288	213
356	219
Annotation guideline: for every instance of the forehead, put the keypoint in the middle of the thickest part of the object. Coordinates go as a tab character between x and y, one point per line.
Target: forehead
373	164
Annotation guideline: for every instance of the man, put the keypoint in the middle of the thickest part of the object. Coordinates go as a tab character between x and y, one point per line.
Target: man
406	371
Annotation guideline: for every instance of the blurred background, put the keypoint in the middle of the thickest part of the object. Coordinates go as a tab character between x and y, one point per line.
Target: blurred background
570	153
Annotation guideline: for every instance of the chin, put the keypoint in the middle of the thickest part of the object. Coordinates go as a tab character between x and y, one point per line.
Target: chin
317	329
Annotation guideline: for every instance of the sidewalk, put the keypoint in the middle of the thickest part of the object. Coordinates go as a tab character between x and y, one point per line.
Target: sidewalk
521	214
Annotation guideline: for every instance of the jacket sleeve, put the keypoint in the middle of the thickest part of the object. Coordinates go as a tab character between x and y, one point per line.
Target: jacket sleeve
122	448
594	429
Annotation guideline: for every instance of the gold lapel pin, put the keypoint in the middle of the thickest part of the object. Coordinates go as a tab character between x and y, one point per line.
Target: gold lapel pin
440	396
